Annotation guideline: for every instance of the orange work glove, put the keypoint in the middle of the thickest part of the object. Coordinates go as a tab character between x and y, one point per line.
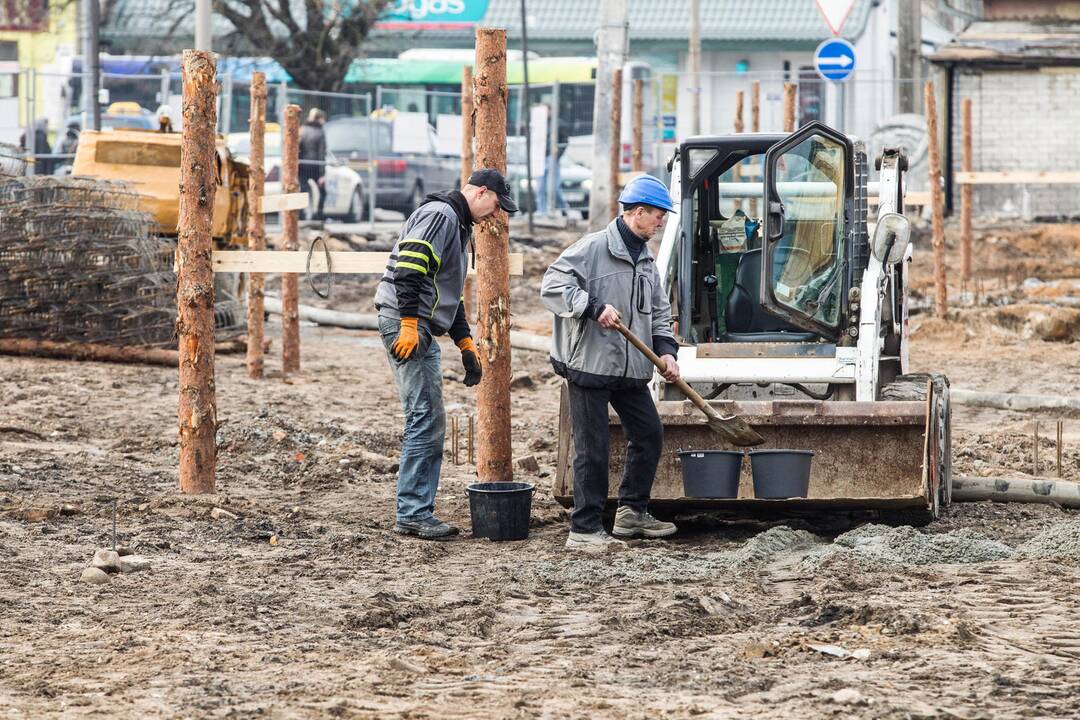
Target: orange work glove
470	360
407	340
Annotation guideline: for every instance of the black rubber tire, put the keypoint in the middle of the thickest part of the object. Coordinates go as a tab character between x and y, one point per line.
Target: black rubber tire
357	207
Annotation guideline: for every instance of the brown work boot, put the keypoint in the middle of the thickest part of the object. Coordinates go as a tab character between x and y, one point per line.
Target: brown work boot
629	524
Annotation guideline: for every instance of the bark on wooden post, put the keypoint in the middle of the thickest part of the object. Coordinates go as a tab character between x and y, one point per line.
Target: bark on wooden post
739	111
789	107
937	201
256	224
966	191
195	276
468	121
290	285
755	106
637	161
494	453
616	141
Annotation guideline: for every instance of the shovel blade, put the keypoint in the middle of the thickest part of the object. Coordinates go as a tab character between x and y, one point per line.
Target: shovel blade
735	430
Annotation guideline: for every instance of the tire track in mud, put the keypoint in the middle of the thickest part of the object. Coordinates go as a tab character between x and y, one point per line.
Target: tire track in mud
1011	615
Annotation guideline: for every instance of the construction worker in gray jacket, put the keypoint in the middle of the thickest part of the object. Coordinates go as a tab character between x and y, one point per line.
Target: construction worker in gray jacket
419	298
603	279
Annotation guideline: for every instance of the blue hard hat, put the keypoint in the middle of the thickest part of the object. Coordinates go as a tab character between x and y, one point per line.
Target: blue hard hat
646	190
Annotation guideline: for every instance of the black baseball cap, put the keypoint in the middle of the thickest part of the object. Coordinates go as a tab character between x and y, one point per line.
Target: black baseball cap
494	181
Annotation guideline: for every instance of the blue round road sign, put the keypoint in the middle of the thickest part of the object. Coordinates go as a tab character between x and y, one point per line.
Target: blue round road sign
834	59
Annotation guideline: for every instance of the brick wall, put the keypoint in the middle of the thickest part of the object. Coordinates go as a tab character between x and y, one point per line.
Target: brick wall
1021	120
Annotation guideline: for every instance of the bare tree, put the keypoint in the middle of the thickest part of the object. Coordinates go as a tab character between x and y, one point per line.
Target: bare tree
314	40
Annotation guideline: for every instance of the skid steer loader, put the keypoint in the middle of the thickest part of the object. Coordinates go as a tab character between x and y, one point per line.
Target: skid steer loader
790	307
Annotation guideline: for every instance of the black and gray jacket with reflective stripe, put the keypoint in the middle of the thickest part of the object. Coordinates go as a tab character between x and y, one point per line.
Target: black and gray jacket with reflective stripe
425	277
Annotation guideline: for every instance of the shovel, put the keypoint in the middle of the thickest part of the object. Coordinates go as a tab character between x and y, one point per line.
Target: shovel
732	427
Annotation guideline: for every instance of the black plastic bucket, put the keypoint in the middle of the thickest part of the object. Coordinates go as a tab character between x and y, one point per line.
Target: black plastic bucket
500	510
781	474
710	473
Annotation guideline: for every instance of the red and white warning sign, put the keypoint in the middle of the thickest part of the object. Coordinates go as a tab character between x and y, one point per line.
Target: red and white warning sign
835	12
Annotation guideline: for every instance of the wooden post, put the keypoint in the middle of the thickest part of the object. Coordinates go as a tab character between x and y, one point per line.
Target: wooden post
738	111
256	224
755	106
195	277
616	141
290	285
937	201
490	92
966	191
468	121
789	107
637	162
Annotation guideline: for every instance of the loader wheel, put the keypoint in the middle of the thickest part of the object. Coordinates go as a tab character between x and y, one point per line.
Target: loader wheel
939	448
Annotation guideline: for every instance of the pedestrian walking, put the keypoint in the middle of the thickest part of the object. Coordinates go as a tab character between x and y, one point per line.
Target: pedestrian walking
313	156
603	279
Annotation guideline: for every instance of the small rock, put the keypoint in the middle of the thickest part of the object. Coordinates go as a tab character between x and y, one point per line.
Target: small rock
69	509
222	514
406	666
106	561
758	650
94	576
538	443
133	563
529	464
848	696
522	381
861	654
378	463
278	435
273	540
123	550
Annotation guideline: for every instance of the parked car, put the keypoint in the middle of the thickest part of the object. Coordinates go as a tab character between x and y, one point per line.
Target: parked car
345	191
402	179
574	178
120	116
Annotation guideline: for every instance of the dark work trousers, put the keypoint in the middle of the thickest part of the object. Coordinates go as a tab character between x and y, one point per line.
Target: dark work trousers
645	436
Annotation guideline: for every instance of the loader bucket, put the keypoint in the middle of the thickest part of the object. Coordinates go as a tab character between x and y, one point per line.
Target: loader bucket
874	456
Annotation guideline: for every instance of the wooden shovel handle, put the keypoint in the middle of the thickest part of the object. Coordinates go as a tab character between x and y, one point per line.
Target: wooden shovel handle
680	383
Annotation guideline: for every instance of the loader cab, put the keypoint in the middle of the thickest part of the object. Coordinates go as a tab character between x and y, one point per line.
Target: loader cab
763	246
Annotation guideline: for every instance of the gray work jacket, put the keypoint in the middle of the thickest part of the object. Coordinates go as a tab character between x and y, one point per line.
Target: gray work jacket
599	267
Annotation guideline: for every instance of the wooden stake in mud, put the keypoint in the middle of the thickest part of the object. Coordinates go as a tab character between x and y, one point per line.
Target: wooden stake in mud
789	107
290	285
256	224
636	160
492	237
937	202
739	111
1035	449
1060	433
755	106
468	121
195	276
616	141
966	191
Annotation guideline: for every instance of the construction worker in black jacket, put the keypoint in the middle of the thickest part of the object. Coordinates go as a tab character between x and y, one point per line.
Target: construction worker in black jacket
419	298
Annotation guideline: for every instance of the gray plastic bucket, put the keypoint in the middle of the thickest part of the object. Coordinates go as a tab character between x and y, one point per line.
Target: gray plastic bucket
500	510
781	474
710	473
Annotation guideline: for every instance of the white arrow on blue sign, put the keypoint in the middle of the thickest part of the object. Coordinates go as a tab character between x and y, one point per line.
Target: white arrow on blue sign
834	59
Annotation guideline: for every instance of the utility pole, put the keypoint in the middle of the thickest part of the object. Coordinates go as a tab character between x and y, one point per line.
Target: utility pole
610	53
494	460
694	67
937	201
908	55
616	145
256	223
637	163
290	285
197	409
204	34
528	118
468	120
91	81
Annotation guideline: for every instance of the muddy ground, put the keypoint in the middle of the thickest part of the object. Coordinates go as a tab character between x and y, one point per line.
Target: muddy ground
301	603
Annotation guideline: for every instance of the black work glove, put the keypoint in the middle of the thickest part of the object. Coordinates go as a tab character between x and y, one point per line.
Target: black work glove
470	360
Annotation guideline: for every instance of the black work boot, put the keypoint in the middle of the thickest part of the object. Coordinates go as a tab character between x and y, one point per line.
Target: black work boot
427	529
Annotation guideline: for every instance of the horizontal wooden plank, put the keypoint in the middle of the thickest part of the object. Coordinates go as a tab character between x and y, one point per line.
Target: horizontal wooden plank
277	203
295	261
1019	177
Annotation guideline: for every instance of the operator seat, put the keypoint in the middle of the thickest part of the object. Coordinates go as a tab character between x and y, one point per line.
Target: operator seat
747	321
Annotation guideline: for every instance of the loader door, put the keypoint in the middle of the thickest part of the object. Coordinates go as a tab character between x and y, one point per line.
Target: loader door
808	197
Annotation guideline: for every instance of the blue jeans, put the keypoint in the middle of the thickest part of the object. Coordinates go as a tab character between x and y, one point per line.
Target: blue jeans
419	381
542	191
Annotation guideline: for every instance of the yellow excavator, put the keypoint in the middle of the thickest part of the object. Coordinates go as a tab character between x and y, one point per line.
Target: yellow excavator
790	301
